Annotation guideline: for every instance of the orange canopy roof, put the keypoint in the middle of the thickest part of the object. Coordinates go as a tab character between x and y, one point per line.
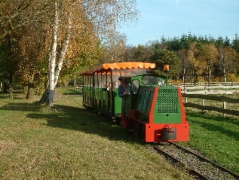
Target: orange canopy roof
123	65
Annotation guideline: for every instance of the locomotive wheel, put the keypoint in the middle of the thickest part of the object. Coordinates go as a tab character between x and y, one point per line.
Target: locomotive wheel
142	134
118	121
137	129
112	120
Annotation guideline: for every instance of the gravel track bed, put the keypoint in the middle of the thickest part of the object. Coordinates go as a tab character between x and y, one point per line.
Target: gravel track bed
193	162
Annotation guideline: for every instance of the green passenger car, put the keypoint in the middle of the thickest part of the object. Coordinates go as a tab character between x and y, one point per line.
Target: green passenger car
100	85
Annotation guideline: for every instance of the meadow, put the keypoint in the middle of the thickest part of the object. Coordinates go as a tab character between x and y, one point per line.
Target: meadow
71	142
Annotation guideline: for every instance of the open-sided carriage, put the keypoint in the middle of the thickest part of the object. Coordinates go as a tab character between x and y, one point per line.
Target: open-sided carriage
101	85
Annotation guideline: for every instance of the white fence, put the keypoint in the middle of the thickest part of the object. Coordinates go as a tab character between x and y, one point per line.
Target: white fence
212	88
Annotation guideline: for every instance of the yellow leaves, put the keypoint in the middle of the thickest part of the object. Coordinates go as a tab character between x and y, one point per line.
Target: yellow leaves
192	53
191	56
202	56
209	52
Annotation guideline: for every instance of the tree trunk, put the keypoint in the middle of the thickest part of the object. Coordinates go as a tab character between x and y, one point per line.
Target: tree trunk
53	71
63	50
30	91
52	60
10	87
5	87
45	96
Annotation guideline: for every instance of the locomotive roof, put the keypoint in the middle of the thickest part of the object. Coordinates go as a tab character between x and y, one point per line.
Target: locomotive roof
120	65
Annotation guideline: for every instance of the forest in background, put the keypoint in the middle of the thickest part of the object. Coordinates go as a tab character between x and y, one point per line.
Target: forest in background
197	57
86	37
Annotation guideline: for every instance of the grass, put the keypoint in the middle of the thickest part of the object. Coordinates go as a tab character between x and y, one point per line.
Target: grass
70	142
215	137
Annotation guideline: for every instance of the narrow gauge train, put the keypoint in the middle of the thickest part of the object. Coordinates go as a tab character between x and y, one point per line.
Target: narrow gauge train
152	109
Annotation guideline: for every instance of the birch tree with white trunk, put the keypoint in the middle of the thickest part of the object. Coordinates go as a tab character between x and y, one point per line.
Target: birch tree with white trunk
54	69
105	15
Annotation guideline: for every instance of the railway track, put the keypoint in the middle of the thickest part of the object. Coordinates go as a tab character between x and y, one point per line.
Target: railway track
196	165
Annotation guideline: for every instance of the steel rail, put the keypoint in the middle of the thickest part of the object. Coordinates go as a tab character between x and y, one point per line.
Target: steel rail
207	160
189	170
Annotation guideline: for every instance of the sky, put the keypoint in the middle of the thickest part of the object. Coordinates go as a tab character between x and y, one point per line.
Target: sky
173	18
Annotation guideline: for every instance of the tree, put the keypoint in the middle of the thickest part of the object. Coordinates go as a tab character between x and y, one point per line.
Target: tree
140	53
20	55
17	13
227	61
103	14
162	57
208	57
192	57
9	61
33	45
182	54
114	49
235	43
129	52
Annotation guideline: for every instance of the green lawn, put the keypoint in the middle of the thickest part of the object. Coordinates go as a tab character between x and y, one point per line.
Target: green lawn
70	142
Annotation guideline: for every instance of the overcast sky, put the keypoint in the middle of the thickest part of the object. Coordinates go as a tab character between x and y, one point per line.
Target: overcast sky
172	18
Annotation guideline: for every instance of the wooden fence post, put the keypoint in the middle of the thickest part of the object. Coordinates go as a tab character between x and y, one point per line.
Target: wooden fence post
224	105
203	103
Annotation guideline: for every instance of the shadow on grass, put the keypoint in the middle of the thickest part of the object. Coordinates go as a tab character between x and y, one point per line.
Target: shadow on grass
16	95
212	123
72	92
85	120
32	107
73	118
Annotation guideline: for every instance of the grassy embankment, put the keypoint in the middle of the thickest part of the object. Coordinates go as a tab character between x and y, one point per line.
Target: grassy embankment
70	142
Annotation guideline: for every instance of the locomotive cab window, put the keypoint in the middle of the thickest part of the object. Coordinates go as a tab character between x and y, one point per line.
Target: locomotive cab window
150	80
135	86
153	80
